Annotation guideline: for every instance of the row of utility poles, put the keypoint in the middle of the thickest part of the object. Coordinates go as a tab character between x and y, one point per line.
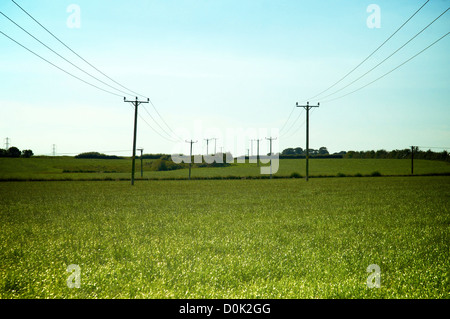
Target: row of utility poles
136	103
307	107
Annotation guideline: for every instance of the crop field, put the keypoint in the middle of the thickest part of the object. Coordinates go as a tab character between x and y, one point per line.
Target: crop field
69	168
280	238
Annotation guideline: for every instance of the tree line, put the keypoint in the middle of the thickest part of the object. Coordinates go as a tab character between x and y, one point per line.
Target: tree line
400	154
407	153
15	152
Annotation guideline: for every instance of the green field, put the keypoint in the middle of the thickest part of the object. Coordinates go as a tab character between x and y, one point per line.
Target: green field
280	238
69	168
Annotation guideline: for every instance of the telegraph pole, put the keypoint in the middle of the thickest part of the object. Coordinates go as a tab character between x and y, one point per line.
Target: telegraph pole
54	150
215	144
257	150
207	143
271	139
136	104
142	170
412	159
307	107
190	157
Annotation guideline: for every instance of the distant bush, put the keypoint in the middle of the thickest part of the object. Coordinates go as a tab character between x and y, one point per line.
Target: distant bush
341	175
376	173
27	153
295	175
358	175
165	165
159	165
97	155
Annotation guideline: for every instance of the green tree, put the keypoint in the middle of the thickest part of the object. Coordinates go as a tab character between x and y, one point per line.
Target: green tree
381	154
27	153
288	151
323	151
13	152
299	151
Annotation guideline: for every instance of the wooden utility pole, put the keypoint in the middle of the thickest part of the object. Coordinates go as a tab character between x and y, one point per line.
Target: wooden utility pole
270	154
190	157
136	104
215	144
412	159
142	169
207	144
307	107
257	150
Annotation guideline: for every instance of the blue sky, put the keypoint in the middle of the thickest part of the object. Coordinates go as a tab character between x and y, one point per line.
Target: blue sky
227	69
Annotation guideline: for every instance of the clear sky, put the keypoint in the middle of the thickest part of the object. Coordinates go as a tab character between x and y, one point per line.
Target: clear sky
229	69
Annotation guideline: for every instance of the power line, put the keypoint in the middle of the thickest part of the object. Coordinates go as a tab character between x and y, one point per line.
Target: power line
362	62
151	103
91	65
153	129
290	114
61	69
80	79
292	125
298	128
387	73
169	139
388	56
371	54
54	36
92	76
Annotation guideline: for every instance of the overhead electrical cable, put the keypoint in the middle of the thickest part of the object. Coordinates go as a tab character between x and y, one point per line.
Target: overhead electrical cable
92	76
91	65
60	41
170	137
388	56
180	139
371	54
362	62
292	125
387	73
74	76
148	124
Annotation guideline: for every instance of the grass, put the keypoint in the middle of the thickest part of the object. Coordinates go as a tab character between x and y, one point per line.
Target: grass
280	238
69	168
